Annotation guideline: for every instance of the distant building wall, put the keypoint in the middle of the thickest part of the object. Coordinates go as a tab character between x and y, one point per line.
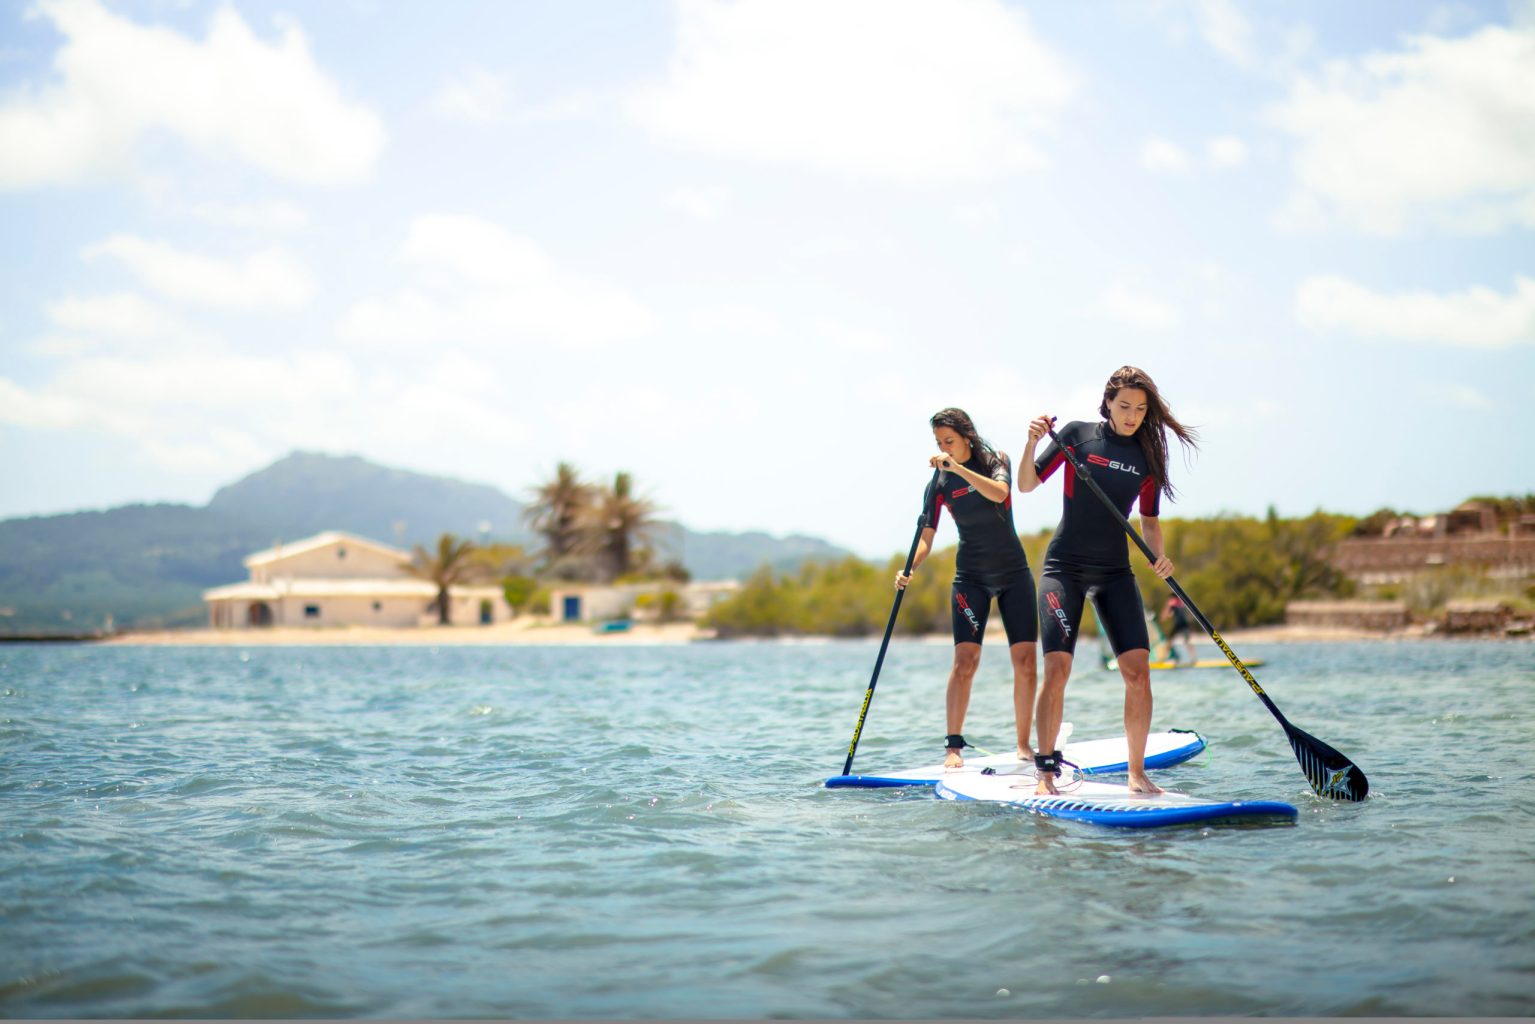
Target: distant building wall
599	603
341	558
337	579
1476	616
348	610
1379	615
1392	559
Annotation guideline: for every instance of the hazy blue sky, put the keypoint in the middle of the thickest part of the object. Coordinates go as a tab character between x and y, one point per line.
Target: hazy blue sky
744	249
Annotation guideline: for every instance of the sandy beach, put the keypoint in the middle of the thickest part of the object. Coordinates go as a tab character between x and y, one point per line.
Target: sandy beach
535	631
518	631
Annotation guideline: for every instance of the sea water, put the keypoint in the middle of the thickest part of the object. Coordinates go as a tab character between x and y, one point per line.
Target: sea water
634	832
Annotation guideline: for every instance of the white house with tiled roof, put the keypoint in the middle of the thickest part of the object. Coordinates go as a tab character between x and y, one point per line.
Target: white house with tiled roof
341	579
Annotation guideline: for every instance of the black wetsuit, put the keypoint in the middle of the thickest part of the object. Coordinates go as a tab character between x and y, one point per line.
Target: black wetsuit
990	562
1089	555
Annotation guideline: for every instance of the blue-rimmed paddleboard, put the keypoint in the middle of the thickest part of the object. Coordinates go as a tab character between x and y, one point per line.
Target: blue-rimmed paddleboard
1099	803
1095	757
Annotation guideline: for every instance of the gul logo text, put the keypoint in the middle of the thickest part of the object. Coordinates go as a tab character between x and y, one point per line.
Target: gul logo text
964	606
1099	460
1059	613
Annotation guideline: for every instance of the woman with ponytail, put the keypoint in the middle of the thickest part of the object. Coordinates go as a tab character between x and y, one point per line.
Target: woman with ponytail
1089	558
974	481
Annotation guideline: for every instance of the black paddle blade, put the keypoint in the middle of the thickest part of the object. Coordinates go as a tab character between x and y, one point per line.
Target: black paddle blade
1330	773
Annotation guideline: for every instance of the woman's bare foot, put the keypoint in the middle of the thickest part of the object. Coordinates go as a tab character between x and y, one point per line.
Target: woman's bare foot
951	758
1139	783
1046	786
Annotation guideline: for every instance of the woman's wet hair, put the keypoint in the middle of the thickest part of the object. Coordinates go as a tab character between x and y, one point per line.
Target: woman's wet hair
1152	433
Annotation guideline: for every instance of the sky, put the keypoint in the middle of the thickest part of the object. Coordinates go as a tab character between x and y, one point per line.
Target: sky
743	249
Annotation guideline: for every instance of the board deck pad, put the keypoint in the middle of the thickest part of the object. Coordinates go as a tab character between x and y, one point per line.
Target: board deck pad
1094	757
1114	806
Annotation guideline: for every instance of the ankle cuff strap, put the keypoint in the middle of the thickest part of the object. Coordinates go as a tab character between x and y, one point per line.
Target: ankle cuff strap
955	742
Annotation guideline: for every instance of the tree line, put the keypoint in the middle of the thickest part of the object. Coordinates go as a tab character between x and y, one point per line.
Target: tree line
588	532
1242	571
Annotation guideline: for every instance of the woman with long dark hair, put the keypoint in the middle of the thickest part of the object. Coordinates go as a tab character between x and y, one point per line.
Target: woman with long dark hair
1089	558
974	482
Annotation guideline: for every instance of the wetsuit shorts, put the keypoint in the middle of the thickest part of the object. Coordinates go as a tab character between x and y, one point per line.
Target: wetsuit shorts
970	604
1181	623
1116	598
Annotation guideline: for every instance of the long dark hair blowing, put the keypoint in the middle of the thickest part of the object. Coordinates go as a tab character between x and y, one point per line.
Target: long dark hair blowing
960	422
1152	433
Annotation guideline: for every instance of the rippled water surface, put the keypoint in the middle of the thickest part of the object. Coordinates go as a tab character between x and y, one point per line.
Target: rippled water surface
643	832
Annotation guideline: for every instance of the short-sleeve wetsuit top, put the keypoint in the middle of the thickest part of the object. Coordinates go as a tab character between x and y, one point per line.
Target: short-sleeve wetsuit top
990	553
1089	539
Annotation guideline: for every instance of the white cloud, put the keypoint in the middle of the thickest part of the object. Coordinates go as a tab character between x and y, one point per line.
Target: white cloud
1226	30
1254	38
476	95
1138	309
148	398
269	279
1162	155
902	90
272	216
22	408
978	214
825	247
1226	151
479	282
210	409
1221	288
700	203
119	313
1476	318
1457	396
1438	133
851	338
731	322
118	82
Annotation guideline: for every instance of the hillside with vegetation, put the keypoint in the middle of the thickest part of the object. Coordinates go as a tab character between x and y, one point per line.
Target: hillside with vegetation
146	566
1240	570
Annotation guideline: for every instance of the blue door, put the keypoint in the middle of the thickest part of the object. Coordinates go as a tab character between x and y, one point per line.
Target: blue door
572	608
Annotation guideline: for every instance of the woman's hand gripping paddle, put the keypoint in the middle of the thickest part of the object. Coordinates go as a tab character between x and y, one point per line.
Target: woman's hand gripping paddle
1329	772
895	608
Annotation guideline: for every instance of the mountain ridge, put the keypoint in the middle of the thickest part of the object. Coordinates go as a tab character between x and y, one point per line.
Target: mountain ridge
146	564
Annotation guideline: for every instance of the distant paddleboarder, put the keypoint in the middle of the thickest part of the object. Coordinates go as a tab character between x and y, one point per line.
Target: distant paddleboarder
1089	558
974	483
1180	622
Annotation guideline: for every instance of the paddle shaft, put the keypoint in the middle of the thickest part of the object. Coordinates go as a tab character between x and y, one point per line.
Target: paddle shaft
1330	773
895	609
1151	556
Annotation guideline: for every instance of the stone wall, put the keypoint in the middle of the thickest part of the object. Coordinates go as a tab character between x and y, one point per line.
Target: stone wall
1378	615
1380	558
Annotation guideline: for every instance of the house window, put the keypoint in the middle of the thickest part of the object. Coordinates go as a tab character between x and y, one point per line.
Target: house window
378	606
341	552
311	611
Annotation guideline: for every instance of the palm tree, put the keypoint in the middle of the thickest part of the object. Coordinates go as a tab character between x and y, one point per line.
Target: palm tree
450	565
558	511
621	525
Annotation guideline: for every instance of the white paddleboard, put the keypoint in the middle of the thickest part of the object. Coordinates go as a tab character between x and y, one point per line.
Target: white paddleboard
1101	803
1094	757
